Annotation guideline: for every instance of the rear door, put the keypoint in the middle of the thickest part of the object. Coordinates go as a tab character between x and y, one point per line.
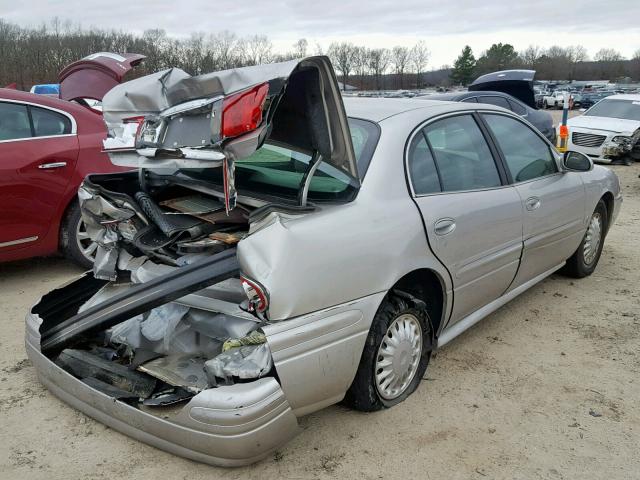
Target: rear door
38	153
473	219
553	201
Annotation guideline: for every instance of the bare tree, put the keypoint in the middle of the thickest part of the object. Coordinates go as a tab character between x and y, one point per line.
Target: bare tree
379	59
400	58
300	48
530	56
420	55
257	50
361	64
608	55
343	57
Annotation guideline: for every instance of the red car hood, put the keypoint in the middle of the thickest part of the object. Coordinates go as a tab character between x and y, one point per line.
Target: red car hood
95	75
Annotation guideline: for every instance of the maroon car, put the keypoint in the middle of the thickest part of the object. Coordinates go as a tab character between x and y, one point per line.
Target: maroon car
47	147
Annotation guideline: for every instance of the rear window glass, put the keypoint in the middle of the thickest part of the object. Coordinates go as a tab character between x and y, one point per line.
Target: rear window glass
277	170
495	100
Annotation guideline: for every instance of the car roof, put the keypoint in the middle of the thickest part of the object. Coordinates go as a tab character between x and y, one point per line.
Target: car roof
379	109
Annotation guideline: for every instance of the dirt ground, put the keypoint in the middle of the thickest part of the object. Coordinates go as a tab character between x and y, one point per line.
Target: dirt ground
547	387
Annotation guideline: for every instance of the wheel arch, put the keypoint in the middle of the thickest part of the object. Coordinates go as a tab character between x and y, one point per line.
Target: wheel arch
428	286
608	200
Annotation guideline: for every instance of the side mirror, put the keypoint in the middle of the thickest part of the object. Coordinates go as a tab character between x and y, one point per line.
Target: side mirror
577	162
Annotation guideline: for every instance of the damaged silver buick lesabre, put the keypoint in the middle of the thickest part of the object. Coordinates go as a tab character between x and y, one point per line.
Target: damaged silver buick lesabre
276	251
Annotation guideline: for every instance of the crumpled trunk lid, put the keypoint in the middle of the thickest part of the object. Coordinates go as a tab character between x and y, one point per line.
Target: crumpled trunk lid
172	120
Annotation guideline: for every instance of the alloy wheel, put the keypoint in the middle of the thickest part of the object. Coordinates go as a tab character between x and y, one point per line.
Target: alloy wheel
87	246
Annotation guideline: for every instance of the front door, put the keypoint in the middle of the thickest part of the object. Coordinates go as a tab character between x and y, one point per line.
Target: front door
473	220
553	202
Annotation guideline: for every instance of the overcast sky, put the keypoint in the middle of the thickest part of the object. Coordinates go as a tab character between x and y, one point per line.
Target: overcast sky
445	25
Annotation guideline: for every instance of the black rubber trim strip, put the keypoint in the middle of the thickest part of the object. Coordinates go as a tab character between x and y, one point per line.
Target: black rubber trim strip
141	298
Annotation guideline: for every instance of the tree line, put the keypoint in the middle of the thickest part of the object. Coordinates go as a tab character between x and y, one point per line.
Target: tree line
554	63
31	56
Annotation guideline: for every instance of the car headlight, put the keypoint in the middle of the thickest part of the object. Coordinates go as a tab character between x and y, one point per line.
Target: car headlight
622	140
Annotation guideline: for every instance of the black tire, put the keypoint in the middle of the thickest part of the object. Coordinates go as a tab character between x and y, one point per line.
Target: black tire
363	394
545	105
68	237
577	266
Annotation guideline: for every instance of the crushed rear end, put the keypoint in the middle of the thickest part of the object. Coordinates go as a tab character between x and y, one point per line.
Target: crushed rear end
165	339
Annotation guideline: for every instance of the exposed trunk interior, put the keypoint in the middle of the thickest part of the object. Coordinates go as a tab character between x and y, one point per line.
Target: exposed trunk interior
163	315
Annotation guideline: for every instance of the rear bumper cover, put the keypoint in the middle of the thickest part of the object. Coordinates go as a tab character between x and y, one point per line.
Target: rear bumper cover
225	426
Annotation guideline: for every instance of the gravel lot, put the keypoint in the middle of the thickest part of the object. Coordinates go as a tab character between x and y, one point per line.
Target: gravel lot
547	387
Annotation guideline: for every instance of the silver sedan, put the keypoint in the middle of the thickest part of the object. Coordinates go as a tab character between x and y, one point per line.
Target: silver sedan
280	250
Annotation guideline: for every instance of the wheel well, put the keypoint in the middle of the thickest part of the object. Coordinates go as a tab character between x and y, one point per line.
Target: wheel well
608	201
425	285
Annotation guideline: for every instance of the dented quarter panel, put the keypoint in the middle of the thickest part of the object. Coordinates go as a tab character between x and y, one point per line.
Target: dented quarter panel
324	252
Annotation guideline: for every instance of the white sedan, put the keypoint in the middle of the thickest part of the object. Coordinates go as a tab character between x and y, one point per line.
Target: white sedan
609	131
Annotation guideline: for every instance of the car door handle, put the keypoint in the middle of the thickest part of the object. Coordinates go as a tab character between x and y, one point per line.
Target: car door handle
445	226
49	166
532	203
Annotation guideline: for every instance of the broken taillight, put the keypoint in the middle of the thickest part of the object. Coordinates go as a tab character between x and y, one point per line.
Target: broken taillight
138	121
242	112
257	294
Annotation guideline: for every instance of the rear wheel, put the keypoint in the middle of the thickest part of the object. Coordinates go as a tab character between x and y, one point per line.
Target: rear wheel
585	259
74	239
395	356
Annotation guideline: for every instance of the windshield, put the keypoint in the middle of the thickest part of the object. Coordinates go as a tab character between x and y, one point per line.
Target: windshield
277	170
625	109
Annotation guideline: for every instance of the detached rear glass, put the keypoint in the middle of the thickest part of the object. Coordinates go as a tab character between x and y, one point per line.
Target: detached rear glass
276	170
626	109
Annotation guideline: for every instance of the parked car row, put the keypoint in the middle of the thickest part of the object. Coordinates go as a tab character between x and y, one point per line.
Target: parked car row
279	249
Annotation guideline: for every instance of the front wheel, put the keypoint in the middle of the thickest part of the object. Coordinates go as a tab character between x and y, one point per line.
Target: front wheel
395	356
585	259
74	239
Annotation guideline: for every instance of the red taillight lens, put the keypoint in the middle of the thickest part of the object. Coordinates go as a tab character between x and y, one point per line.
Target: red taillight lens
258	298
242	112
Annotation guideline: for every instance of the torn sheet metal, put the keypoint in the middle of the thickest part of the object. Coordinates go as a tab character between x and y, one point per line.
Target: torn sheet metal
249	361
184	371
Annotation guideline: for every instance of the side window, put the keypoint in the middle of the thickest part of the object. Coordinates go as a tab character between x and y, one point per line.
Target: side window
47	123
495	100
14	121
517	108
462	156
470	100
526	154
424	176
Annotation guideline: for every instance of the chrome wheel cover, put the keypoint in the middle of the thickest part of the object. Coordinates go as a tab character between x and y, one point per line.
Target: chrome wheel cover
87	246
592	239
398	356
